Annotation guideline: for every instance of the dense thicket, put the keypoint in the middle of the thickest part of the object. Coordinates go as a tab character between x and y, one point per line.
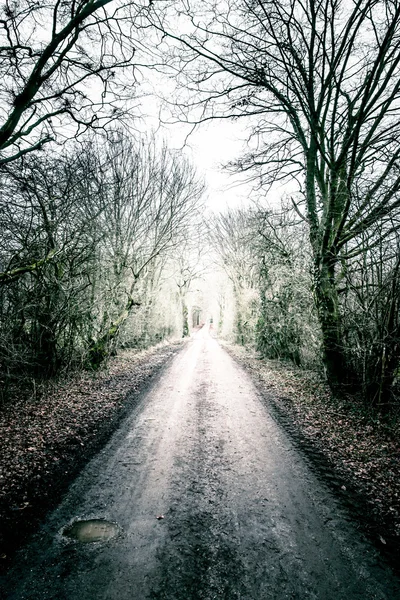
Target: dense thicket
88	239
268	262
268	259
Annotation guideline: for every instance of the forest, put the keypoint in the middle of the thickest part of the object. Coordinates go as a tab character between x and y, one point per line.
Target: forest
105	240
278	294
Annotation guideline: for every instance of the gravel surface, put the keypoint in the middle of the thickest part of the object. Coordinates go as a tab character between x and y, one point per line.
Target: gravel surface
212	500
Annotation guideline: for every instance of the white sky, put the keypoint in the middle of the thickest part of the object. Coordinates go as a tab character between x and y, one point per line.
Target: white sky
209	147
214	144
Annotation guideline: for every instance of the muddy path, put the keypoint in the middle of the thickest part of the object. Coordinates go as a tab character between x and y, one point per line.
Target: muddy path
241	514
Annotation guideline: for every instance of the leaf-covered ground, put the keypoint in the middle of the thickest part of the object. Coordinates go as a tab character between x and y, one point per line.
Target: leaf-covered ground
46	438
362	452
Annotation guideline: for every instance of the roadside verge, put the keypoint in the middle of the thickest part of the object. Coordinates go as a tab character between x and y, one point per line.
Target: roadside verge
45	441
357	456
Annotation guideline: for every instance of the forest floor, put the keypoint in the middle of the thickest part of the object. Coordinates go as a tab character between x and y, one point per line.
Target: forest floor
361	452
46	437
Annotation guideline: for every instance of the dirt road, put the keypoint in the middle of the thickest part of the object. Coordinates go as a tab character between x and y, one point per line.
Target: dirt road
244	516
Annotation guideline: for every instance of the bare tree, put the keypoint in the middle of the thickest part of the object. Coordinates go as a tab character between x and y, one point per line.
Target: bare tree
287	326
106	220
63	68
189	266
48	207
266	255
370	295
231	237
152	196
321	82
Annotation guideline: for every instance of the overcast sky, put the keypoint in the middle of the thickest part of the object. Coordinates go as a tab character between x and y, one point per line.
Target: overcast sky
209	147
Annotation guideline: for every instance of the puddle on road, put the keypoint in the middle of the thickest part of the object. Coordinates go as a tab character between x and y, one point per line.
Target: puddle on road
92	530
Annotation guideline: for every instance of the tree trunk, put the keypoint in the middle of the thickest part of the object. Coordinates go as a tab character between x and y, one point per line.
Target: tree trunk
185	322
100	349
325	260
331	327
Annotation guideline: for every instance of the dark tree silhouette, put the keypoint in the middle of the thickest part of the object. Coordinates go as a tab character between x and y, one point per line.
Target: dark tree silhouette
63	68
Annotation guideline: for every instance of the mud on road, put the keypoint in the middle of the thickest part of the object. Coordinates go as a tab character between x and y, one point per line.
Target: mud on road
212	501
